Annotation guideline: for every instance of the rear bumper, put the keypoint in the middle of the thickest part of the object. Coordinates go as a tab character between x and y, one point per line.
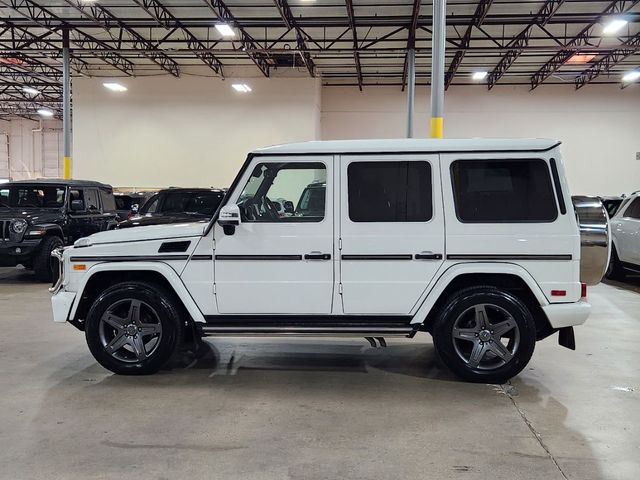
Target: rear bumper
61	304
562	315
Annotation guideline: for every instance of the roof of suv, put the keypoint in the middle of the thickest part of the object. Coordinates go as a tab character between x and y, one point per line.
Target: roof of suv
430	145
60	181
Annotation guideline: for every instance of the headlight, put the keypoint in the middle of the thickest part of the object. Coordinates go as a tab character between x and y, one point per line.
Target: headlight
18	226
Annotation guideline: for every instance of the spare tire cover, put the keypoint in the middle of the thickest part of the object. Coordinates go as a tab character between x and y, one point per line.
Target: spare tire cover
595	238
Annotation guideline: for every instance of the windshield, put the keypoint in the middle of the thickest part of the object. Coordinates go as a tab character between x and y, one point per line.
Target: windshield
32	196
192	203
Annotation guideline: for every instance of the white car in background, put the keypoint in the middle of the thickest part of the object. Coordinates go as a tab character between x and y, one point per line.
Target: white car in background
625	236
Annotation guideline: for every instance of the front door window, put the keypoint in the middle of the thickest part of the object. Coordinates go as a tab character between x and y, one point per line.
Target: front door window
272	186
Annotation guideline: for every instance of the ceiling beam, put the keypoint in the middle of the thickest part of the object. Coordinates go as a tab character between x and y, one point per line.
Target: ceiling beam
166	19
520	42
354	31
249	44
116	28
607	62
290	22
478	18
48	20
411	39
577	42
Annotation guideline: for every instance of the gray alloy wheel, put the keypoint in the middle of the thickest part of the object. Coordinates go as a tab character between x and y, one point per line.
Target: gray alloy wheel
130	330
485	336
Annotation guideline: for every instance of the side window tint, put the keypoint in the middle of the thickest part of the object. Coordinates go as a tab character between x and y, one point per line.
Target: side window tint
275	188
390	191
91	200
108	202
634	209
151	206
503	191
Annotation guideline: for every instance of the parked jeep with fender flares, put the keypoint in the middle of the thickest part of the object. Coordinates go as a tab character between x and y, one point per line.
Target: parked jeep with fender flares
38	216
473	241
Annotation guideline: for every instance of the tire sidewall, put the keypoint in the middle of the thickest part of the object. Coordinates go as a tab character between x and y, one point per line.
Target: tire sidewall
42	264
443	334
167	314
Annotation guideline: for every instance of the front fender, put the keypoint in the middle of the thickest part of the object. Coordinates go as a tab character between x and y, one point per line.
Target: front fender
456	270
51	228
159	267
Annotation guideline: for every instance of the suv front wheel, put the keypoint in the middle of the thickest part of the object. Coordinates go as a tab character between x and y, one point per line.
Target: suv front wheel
134	328
484	334
42	264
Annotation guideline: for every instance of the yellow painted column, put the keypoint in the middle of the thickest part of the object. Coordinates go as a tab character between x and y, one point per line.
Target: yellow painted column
437	127
66	168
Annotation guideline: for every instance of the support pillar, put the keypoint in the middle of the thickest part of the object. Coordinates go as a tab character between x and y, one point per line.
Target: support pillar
437	67
411	89
66	105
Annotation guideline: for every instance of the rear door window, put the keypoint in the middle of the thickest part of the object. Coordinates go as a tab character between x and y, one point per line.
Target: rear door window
390	191
503	191
91	200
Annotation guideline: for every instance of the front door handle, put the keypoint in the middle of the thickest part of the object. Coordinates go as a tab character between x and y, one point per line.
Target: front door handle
428	256
317	256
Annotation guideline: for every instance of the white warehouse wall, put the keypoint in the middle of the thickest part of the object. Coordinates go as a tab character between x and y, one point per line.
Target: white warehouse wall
30	149
191	131
599	125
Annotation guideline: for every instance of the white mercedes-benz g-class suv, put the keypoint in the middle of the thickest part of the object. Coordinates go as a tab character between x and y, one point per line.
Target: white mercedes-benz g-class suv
474	241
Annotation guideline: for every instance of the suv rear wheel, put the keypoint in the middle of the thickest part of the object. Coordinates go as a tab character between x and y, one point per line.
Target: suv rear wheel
484	334
42	264
134	328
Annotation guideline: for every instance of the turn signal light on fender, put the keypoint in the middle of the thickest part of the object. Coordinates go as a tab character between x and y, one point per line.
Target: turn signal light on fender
583	290
79	267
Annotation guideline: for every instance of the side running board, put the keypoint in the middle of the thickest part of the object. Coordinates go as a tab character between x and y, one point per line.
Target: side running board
348	326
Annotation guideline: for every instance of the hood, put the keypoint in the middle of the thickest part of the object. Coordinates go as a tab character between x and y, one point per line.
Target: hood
152	232
161	220
33	216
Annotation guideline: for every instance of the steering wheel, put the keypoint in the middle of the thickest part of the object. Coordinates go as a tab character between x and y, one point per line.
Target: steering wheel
270	209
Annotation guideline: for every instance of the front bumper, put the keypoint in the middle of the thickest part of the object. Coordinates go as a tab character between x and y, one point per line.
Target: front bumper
61	303
15	253
562	315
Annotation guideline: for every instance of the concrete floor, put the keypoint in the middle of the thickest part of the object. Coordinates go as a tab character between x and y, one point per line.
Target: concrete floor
311	409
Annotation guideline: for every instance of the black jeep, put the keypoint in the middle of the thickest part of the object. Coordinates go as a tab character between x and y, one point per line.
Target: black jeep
38	216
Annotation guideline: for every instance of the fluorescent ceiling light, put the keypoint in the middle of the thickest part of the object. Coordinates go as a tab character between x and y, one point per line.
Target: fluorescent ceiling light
225	30
614	25
45	112
241	87
479	75
581	58
115	87
631	76
30	90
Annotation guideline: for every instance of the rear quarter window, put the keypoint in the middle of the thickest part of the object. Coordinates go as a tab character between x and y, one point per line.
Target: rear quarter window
108	201
503	191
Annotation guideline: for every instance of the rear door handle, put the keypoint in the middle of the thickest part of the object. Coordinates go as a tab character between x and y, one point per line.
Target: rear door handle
317	256
428	256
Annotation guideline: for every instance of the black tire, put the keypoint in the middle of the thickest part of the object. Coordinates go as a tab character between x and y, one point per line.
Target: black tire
42	265
615	271
155	306
499	306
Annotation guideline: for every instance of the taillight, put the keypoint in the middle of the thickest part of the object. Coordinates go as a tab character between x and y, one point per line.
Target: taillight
583	290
